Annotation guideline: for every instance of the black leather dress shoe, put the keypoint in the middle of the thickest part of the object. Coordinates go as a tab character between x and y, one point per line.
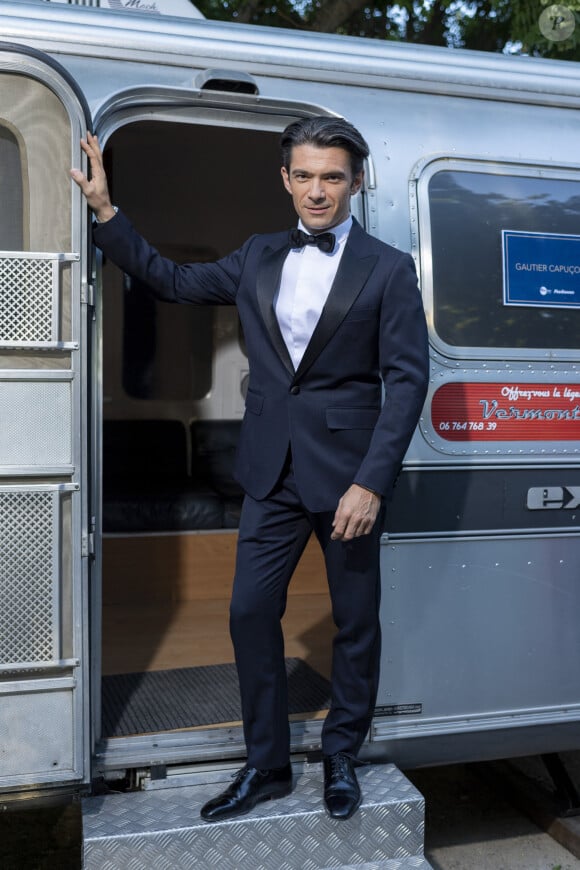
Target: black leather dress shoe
250	787
341	789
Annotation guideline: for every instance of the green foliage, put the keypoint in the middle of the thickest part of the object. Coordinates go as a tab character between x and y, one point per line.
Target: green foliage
511	26
279	14
526	24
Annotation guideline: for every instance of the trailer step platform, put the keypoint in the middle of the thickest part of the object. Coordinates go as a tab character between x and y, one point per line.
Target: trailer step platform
160	828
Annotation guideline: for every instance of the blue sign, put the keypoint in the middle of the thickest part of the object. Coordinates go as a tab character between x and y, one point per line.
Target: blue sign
541	269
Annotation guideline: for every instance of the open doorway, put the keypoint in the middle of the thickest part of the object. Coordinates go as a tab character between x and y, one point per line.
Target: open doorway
173	397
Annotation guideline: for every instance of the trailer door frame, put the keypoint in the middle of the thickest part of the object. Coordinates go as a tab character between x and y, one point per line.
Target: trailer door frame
192	107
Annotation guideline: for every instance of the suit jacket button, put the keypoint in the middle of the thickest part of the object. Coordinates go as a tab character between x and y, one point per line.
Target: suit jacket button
295	390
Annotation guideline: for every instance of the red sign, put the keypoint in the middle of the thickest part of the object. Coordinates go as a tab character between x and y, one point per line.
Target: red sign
507	412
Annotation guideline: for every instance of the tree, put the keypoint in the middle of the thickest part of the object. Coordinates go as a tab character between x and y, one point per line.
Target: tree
535	27
546	29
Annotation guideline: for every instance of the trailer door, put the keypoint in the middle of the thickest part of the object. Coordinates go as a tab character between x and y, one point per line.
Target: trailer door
44	529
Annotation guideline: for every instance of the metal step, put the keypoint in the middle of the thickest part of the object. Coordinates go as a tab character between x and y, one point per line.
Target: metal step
161	829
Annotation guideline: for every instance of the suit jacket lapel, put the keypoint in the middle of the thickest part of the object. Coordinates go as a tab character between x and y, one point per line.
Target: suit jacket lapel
267	283
352	274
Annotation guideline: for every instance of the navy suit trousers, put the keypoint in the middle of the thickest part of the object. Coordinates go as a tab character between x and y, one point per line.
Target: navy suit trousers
272	536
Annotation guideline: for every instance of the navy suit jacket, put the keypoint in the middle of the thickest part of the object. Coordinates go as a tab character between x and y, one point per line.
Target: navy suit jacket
330	410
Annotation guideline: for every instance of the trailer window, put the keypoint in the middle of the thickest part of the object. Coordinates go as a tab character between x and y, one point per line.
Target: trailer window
467	213
35	153
11	213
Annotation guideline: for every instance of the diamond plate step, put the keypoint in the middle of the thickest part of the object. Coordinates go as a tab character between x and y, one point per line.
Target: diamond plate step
161	829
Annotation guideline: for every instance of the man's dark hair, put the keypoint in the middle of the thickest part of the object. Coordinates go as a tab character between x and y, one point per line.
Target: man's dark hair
325	132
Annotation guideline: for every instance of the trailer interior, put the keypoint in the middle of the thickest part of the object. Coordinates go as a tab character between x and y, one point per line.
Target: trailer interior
174	378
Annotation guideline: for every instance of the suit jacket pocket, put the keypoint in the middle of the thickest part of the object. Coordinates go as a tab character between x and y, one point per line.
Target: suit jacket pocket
254	402
356	315
352	418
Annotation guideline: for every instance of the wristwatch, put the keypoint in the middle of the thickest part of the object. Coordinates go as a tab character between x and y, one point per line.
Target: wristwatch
115	209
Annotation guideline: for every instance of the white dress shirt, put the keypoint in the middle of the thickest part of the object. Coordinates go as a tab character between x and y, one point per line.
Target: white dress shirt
307	276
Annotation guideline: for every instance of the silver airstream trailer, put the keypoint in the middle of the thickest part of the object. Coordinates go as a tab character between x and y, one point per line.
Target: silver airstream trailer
118	422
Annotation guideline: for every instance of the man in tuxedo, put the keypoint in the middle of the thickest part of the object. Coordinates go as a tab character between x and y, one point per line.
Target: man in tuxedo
331	317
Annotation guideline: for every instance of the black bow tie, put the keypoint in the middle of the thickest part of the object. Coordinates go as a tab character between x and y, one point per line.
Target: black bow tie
323	241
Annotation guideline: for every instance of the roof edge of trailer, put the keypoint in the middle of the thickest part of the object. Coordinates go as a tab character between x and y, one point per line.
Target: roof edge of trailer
83	31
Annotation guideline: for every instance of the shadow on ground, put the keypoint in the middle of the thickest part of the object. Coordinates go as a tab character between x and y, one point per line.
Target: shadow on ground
40	838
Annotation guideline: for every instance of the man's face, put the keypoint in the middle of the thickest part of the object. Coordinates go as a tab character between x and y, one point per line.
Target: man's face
321	183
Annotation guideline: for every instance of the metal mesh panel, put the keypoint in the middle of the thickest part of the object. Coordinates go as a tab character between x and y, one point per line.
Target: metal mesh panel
27	577
35	423
26	300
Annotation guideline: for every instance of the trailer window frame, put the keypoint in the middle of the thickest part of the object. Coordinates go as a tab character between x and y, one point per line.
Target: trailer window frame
422	246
